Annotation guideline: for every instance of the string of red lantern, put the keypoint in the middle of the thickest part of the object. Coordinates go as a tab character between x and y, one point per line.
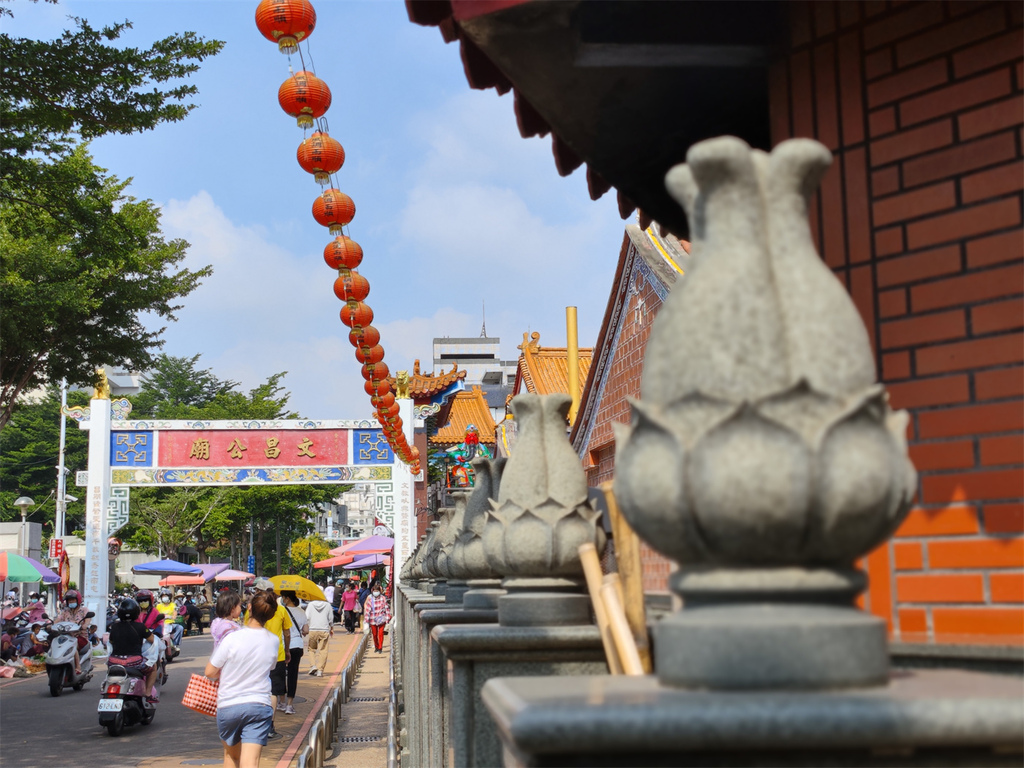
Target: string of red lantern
307	98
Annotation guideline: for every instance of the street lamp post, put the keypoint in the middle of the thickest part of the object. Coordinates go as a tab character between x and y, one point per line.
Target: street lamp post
23	503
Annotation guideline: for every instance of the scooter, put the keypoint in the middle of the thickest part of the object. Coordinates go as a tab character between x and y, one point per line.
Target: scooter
123	699
60	659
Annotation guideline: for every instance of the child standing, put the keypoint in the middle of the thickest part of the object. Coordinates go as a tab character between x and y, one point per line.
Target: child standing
229	608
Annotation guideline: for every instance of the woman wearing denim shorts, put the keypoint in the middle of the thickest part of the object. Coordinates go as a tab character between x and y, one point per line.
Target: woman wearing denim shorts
242	662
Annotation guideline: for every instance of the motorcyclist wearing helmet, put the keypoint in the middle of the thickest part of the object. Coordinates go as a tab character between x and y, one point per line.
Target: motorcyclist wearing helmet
126	637
149	614
75	612
166	606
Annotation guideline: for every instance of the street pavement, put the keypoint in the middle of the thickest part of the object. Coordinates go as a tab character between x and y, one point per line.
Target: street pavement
38	729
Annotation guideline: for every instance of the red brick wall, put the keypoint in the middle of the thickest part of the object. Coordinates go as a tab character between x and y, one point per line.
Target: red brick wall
624	382
920	216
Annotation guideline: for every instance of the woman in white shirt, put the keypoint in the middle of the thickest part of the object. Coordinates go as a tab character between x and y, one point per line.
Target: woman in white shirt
242	662
300	628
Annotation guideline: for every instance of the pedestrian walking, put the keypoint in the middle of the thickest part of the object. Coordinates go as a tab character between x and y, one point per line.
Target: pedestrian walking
377	614
279	624
349	600
321	628
336	600
300	628
243	662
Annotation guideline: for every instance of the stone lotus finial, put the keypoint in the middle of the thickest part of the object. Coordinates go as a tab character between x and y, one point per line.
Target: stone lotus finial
467	559
419	568
447	531
761	438
542	513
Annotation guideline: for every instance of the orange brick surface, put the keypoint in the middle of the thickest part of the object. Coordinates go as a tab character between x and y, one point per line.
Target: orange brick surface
1007	587
982	553
941	588
939	522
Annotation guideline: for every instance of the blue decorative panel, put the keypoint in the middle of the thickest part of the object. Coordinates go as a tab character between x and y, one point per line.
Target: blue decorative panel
131	449
369	446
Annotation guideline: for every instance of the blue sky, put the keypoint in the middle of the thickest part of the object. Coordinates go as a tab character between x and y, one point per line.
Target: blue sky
453	206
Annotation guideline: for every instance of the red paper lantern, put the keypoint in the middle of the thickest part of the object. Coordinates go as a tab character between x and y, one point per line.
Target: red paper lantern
320	155
372	354
285	22
351	286
377	387
375	371
342	251
414	454
333	209
355	314
388	400
364	337
304	96
391	410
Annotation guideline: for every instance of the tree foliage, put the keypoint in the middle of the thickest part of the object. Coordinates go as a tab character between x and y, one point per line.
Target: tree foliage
308	550
74	298
29	448
81	261
56	93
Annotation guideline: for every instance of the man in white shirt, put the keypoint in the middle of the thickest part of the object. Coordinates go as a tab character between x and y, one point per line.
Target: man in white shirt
320	616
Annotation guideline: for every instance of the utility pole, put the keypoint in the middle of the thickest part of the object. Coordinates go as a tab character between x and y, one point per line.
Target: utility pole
62	505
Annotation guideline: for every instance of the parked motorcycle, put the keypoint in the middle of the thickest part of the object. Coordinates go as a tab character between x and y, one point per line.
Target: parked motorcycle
60	659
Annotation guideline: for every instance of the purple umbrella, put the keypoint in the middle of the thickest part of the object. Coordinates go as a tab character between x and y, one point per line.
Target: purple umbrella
369	561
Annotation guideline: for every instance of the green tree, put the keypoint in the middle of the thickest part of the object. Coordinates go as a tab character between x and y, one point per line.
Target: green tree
57	93
28	457
74	298
81	261
306	551
174	384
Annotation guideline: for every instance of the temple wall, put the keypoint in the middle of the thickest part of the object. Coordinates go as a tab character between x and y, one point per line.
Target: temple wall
920	217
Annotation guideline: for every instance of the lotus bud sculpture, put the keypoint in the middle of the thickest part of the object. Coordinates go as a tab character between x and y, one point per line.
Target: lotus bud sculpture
763	456
542	514
467	559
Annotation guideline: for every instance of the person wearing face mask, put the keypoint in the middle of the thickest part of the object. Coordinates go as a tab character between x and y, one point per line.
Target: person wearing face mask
75	612
149	615
172	629
377	614
36	607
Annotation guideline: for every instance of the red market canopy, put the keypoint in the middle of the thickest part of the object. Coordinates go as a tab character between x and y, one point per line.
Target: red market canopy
182	581
336	561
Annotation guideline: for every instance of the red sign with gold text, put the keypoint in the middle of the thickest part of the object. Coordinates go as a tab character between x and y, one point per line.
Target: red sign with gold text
254	448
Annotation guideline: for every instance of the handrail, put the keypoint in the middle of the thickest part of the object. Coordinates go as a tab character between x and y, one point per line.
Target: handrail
392	713
328	719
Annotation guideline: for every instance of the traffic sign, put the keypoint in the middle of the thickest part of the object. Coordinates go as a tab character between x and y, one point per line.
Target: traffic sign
252	563
56	548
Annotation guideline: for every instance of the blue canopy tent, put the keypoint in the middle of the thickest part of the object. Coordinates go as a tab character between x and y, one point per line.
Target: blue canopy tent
167	568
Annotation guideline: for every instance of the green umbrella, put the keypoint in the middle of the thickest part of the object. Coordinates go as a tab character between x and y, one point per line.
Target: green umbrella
17	568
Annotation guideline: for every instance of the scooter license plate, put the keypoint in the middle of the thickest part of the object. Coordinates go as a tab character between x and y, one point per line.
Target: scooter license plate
110	705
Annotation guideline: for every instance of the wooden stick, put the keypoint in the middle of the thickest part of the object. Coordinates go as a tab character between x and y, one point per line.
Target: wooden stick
627	555
620	629
592	571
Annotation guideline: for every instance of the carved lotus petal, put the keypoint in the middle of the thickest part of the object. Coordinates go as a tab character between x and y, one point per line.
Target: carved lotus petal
762	438
751	489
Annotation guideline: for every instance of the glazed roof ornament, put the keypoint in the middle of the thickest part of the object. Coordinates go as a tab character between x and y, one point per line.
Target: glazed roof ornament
761	437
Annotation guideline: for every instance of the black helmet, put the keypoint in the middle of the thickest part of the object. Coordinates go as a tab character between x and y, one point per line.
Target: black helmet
128	610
